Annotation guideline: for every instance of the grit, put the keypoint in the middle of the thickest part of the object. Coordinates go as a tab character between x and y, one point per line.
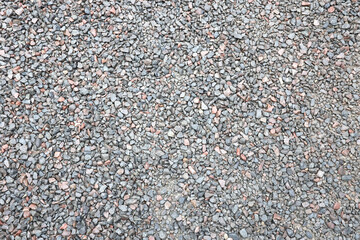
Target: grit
214	119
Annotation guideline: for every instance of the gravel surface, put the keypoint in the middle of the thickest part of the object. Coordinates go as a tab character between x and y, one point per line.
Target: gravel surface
182	119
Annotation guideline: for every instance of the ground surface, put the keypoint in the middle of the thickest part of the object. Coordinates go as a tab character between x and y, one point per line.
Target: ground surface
179	120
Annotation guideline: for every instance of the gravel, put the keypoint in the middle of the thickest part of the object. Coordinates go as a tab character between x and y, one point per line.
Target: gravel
179	120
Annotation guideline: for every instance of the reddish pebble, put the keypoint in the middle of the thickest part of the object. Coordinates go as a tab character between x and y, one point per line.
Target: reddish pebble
27	214
64	226
277	216
93	32
337	205
213	109
330	225
331	9
192	170
147	166
113	10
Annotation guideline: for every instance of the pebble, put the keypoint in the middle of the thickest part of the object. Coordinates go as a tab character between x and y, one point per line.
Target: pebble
320	173
162	235
203	106
243	233
171	133
346	178
19	11
309	235
233	236
337	206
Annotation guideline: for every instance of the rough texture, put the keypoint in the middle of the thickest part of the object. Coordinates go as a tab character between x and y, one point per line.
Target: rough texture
179	120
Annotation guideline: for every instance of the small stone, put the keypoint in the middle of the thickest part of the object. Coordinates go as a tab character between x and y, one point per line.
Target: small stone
9	179
309	235
325	61
93	32
345	26
214	110
8	12
203	106
147	62
63	185
162	235
337	206
305	4
192	170
117	104
320	174
243	233
234	236
290	232
171	133
258	113
222	183
167	205
341	170
227	92
112	97
160	153
23	148
346	177
341	55
102	188
14	93
112	10
207	7
26	214
330	225
19	11
277	216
